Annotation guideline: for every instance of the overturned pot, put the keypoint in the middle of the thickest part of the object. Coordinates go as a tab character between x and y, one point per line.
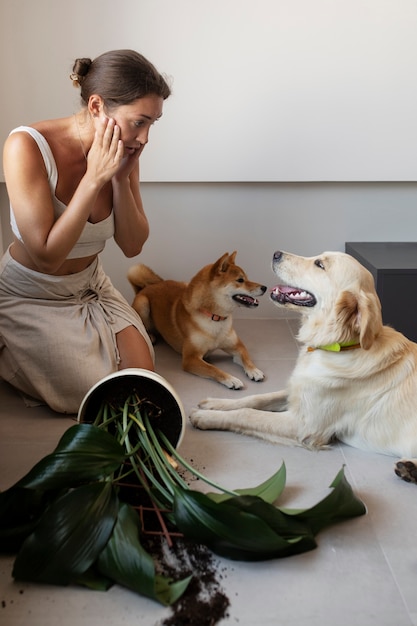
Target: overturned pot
152	389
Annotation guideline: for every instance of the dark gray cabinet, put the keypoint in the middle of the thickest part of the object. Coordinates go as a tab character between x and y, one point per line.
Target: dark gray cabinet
394	268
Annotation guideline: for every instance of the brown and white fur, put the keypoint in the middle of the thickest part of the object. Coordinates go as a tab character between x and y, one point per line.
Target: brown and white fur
364	395
196	318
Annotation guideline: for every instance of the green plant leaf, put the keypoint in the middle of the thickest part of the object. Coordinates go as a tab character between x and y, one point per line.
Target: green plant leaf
84	453
286	526
125	561
269	491
338	506
69	536
230	531
258	530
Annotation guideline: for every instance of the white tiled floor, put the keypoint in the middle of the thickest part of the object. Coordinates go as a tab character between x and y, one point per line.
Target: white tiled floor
364	571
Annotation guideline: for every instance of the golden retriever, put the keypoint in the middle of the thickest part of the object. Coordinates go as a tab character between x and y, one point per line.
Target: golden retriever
355	379
195	318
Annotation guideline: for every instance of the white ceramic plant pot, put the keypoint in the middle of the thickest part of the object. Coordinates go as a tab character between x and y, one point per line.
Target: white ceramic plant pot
148	386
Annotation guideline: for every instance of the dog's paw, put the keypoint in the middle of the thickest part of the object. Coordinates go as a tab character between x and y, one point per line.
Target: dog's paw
255	374
198	419
231	382
407	470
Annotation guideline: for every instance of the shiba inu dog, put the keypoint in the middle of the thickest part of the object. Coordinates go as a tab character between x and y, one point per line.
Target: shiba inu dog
195	318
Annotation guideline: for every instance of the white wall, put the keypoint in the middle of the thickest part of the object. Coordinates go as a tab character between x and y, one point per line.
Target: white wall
194	224
272	90
322	81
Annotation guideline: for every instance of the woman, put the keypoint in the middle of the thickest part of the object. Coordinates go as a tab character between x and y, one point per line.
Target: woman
73	183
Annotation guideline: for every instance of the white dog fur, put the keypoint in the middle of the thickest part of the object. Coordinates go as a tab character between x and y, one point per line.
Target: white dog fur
355	379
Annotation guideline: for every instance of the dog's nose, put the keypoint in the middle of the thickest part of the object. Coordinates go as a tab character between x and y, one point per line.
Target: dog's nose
277	256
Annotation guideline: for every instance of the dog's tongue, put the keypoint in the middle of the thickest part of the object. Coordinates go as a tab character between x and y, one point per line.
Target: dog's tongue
283	289
292	291
286	290
294	295
246	300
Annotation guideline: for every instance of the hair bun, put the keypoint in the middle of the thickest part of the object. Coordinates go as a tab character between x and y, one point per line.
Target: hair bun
80	70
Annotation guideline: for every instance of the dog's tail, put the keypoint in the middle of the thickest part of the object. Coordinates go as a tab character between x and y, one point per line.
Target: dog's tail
141	275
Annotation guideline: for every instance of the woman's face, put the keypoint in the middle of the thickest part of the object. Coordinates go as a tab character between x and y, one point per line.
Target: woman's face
136	119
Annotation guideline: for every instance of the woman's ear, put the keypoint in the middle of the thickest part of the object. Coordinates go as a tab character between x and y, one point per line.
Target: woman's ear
95	105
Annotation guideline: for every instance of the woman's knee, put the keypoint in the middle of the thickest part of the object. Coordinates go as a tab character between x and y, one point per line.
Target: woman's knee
134	350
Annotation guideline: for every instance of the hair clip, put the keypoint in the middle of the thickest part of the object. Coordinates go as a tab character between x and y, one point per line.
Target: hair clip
74	78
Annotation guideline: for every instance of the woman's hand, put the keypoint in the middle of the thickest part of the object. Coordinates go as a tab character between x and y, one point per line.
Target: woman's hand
129	163
106	153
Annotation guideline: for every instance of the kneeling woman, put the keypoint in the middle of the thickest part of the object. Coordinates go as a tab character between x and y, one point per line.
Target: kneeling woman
73	183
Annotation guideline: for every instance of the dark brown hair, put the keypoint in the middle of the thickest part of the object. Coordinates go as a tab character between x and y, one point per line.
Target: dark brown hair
119	77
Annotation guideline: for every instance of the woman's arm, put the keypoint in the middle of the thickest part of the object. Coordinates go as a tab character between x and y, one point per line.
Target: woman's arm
131	224
48	241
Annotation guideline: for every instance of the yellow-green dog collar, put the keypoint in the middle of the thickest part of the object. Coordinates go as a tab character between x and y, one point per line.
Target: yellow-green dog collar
337	347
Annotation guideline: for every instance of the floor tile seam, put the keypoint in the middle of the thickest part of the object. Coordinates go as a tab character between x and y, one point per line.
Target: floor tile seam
396	582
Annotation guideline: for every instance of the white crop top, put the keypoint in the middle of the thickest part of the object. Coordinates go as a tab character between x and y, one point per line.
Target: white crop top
93	238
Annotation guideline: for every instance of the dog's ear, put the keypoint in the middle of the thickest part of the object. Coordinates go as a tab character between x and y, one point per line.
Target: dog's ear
370	318
359	315
226	260
221	264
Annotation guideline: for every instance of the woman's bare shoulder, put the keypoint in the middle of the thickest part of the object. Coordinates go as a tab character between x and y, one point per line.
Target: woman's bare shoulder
20	144
20	149
47	128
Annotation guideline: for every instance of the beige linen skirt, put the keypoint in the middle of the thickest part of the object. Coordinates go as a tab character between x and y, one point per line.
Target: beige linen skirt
58	333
